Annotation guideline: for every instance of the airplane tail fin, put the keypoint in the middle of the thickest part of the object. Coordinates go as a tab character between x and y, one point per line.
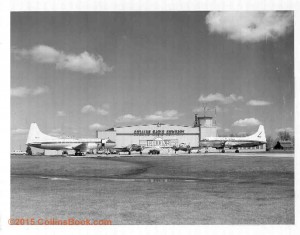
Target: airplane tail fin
35	135
260	134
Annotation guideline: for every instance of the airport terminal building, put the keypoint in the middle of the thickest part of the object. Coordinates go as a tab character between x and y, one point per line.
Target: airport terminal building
160	134
168	135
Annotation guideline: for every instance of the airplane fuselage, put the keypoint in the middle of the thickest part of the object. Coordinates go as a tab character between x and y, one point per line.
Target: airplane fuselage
63	145
231	143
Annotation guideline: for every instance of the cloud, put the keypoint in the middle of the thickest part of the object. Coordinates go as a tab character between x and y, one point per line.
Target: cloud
24	91
61	113
88	109
103	110
19	131
258	103
218	97
287	129
40	90
96	126
164	115
247	122
84	62
211	110
250	26
128	118
19	92
43	54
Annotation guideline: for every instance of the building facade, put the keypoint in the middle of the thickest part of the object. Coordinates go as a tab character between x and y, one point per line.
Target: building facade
159	134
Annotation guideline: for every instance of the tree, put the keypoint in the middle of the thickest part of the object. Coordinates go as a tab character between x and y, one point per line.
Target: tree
284	135
293	139
270	142
28	150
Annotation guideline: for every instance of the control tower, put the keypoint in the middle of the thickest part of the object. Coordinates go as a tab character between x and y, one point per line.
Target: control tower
206	126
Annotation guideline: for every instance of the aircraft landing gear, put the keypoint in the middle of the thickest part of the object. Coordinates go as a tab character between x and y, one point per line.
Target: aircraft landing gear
237	151
77	153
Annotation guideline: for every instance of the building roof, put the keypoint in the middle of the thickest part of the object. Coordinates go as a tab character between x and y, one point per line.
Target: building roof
205	117
157	124
284	144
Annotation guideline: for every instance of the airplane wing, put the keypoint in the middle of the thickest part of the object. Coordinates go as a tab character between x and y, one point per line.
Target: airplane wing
213	144
129	148
118	150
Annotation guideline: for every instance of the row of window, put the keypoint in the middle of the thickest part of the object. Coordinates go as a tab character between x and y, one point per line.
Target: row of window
256	147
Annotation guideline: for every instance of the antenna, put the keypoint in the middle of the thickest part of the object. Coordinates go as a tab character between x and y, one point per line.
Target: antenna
204	106
207	108
216	115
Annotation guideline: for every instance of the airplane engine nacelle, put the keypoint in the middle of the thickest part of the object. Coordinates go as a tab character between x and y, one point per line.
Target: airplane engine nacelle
92	146
108	144
215	144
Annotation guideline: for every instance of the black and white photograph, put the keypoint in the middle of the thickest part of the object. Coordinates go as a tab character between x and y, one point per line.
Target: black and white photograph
152	117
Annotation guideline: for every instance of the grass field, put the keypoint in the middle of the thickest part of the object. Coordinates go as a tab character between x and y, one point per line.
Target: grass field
187	189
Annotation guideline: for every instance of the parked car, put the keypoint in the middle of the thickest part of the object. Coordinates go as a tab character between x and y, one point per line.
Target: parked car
154	151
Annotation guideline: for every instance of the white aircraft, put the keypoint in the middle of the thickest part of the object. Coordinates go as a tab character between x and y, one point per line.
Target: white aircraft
40	140
256	139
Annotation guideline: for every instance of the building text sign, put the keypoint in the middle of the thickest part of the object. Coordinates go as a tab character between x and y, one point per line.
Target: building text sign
158	132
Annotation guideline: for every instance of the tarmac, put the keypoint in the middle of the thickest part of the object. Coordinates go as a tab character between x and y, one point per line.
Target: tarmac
229	188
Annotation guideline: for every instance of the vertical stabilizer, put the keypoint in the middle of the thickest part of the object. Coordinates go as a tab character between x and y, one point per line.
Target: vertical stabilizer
35	135
260	134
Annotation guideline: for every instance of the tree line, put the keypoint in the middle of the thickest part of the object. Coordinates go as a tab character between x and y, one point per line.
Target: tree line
281	136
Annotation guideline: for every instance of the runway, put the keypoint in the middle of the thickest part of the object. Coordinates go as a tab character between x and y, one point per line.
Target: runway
181	189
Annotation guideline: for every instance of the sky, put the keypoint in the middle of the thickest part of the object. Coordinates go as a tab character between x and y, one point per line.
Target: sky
77	72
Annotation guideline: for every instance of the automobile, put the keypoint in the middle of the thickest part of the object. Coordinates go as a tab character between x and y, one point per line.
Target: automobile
154	151
112	151
18	152
101	151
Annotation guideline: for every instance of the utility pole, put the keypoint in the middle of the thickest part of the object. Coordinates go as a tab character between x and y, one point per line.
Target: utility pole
199	125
